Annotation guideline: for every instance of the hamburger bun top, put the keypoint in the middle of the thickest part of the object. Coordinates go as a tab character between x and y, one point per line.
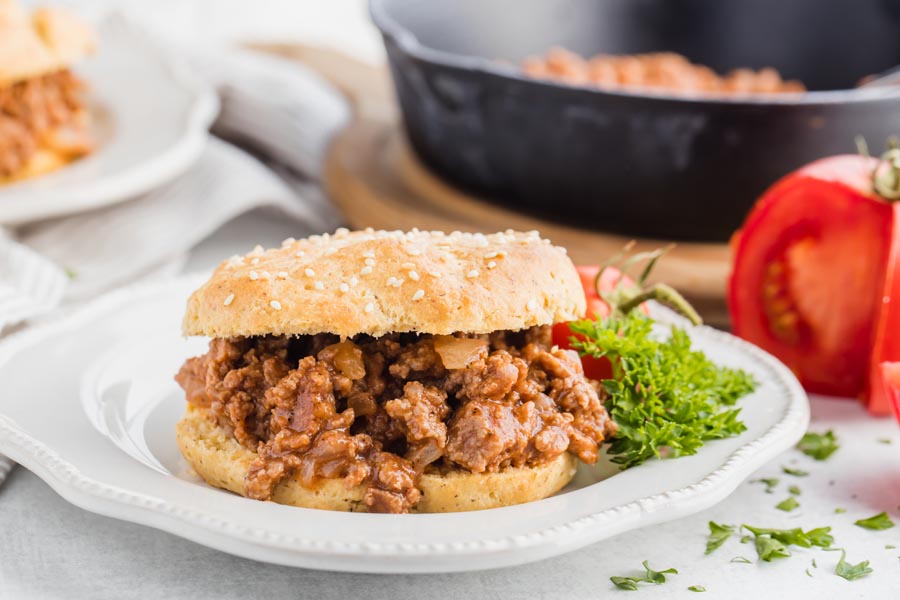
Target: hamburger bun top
380	282
47	40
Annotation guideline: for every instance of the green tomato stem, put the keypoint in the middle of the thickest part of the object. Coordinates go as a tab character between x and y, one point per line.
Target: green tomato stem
886	174
666	295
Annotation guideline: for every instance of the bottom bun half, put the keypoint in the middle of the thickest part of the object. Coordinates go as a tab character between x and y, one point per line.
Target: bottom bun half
220	460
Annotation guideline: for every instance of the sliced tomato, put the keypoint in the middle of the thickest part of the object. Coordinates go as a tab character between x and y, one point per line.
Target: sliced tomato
889	380
886	344
597	308
807	264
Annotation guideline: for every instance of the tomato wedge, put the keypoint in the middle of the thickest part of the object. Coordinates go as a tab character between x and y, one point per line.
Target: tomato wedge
609	285
889	380
809	268
597	308
886	345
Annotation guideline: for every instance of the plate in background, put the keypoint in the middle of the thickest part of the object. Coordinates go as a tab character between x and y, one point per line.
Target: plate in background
150	119
113	453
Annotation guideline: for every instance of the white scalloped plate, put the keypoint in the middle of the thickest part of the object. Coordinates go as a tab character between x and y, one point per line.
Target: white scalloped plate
89	405
150	118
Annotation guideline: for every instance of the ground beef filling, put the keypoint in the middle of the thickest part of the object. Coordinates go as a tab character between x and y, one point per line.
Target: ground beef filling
381	411
45	110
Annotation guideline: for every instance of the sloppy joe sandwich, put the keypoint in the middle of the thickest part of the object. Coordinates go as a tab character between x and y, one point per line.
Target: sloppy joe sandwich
43	120
390	372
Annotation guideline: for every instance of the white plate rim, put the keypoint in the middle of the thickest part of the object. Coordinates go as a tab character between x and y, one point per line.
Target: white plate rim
263	544
137	178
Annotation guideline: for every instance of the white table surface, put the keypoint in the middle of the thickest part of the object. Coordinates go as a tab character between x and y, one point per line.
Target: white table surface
51	549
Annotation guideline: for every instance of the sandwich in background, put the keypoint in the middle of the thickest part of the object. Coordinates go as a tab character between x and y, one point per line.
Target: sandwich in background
44	123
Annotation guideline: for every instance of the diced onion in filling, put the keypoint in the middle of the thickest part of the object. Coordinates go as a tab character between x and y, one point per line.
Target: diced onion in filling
457	353
349	361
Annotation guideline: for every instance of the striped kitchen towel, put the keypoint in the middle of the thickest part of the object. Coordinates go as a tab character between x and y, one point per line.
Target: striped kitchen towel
30	284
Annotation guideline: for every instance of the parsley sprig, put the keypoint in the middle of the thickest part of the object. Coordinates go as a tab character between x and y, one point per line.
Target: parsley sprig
666	398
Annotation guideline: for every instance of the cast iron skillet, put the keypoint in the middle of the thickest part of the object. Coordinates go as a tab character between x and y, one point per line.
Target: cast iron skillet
662	165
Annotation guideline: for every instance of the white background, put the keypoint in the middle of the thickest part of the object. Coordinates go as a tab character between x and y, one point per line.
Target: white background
341	24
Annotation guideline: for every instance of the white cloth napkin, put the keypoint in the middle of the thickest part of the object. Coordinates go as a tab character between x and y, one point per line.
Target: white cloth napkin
277	118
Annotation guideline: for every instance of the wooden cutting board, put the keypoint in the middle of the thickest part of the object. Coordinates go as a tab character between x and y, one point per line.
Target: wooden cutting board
376	179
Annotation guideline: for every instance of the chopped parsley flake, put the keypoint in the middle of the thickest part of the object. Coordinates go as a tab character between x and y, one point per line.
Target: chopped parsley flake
848	571
773	543
818	445
770	483
650	576
878	522
788	504
657	576
768	548
821	537
625	583
717	536
794	472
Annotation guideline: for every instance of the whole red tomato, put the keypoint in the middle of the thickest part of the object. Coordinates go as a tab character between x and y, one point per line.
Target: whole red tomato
813	277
